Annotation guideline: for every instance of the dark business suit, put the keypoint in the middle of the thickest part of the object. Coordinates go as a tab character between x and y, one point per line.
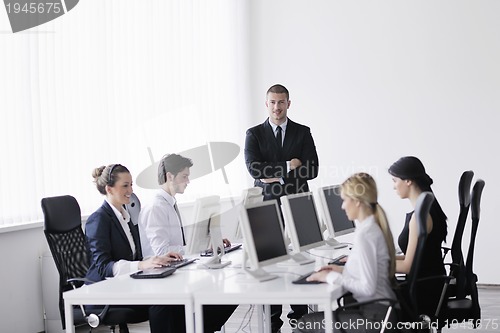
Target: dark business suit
108	244
265	159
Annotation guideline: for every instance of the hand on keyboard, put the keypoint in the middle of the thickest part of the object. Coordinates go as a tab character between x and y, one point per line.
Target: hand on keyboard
303	279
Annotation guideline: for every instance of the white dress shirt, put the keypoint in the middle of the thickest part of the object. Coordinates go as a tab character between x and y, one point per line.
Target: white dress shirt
366	273
160	226
124	266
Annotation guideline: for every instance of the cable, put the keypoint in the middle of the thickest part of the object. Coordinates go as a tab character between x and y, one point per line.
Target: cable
249	313
316	255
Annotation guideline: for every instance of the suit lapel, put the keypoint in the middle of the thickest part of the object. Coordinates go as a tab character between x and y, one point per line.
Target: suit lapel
116	224
290	133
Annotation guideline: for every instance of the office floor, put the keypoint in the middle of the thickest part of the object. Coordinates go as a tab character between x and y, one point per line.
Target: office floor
244	319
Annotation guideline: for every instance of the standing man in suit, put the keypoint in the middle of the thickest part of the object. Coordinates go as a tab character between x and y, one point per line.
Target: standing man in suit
281	157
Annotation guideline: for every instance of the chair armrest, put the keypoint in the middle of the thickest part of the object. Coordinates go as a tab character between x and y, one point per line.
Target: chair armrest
391	301
339	300
451	264
85	280
445	278
90	317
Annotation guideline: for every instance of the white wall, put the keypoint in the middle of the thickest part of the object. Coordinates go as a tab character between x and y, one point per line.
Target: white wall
20	281
377	80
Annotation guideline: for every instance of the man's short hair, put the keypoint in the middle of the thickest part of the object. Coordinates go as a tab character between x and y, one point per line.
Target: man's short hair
172	163
278	89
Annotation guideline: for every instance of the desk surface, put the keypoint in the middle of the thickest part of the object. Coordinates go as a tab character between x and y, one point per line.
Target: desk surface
191	284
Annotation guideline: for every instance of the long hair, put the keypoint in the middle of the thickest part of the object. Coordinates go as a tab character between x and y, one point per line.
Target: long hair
362	187
411	168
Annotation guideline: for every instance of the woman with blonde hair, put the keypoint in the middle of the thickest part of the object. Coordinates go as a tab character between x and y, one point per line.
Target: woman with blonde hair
369	272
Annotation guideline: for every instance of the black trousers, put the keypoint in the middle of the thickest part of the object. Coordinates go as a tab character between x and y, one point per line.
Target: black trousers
214	317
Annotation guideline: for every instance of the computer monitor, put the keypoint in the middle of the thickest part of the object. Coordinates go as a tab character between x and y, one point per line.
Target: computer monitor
264	241
334	216
302	224
248	196
205	231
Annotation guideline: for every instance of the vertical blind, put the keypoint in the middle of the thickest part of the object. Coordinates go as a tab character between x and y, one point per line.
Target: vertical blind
119	81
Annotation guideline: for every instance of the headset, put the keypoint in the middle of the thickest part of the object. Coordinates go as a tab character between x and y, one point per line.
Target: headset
110	175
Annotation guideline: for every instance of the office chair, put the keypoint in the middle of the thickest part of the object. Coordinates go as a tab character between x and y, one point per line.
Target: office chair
409	291
68	245
134	208
457	266
467	308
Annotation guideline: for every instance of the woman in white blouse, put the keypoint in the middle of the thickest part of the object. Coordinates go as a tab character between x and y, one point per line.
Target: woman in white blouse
369	270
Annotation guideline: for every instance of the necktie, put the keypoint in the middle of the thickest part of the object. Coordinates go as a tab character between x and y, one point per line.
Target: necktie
279	137
180	220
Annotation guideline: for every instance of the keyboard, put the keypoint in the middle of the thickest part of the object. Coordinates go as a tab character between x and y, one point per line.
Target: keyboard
336	261
153	273
182	263
227	249
302	279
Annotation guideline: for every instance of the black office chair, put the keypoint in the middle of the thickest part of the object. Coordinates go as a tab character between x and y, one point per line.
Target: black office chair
467	308
68	245
457	266
409	291
134	208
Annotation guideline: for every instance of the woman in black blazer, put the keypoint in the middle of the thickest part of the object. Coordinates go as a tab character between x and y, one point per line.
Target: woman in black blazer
115	247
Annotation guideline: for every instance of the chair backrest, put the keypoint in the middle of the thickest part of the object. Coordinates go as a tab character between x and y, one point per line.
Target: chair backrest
422	208
134	208
67	242
477	192
464	199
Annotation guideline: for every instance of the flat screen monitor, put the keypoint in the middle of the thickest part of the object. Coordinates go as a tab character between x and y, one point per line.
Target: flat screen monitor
302	224
334	216
264	241
248	196
205	230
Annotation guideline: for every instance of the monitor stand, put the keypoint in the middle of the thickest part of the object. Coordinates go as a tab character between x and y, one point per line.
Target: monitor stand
216	243
332	244
260	275
297	259
257	274
216	262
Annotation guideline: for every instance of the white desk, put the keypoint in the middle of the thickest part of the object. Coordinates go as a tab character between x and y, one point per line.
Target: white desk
193	288
241	289
123	290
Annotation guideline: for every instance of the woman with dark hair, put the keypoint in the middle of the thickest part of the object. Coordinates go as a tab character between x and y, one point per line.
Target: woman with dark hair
115	246
410	179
